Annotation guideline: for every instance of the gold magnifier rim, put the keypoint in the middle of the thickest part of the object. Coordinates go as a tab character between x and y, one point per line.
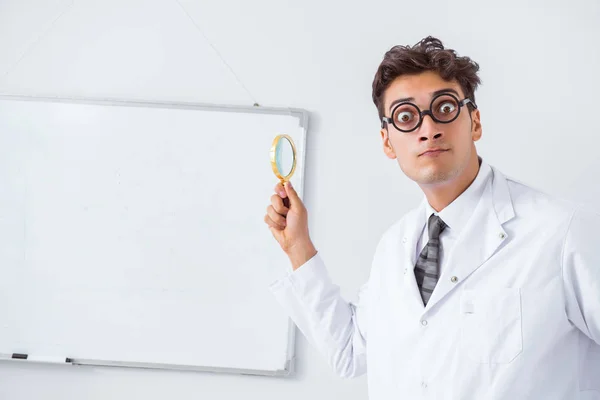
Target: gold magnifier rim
273	154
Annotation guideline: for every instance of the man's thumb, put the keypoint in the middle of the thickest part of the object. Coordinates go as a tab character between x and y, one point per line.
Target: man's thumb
291	192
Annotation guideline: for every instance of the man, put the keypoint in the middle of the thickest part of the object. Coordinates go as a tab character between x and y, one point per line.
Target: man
487	290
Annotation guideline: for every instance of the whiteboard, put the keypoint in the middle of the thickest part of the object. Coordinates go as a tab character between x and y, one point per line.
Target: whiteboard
132	234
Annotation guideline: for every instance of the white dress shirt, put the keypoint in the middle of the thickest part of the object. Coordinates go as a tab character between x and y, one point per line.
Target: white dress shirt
455	215
515	314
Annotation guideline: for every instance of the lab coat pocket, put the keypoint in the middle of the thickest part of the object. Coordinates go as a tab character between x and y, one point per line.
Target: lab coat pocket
491	325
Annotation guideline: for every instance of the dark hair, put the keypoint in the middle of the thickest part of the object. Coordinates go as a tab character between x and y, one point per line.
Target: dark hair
427	55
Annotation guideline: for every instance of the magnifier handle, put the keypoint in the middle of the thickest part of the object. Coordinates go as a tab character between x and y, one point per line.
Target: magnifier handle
286	200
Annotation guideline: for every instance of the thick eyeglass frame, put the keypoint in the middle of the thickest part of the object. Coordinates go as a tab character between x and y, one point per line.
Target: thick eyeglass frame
422	114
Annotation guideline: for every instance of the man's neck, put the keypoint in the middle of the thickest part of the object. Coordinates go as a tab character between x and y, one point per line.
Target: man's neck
441	195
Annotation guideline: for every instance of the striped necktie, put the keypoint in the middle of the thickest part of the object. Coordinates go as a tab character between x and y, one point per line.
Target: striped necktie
427	269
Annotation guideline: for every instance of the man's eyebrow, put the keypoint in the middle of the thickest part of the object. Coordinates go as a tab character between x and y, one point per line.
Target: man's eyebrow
437	92
447	90
398	101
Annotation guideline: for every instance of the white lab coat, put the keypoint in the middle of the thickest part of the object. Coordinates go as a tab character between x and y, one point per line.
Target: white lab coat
514	316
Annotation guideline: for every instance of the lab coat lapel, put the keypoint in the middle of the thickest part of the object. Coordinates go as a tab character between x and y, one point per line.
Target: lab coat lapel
415	222
481	237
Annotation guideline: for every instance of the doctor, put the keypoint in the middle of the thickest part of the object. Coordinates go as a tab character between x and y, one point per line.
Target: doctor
489	289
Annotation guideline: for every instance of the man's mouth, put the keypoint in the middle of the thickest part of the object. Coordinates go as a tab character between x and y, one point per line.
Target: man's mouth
433	152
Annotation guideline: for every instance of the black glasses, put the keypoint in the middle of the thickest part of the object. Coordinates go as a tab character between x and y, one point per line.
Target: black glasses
444	108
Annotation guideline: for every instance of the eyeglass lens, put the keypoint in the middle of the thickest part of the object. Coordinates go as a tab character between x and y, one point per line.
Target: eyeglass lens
445	108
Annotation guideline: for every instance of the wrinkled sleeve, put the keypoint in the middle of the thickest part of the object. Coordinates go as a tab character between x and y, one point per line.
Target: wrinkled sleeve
335	327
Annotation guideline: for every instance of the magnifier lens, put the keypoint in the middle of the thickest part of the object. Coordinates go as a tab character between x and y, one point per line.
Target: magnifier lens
284	157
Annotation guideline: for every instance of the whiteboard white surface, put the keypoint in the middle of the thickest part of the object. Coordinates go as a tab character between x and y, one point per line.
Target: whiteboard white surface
132	234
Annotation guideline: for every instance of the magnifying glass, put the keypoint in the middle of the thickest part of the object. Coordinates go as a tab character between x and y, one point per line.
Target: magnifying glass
283	159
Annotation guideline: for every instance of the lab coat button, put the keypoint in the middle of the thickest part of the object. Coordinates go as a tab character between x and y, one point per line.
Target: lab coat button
424	385
454	279
403	240
502	235
424	322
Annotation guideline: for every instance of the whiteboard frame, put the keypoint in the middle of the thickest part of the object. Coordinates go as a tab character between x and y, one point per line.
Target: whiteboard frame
301	114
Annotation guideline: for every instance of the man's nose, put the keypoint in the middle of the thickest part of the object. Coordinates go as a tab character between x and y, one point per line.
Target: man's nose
429	129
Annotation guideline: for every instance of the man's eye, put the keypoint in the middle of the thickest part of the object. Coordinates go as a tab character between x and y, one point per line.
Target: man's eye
447	108
404	117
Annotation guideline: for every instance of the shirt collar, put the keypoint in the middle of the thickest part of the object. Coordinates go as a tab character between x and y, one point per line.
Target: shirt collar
457	213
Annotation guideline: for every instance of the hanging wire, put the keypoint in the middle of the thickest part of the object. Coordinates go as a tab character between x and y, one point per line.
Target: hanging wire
38	40
218	54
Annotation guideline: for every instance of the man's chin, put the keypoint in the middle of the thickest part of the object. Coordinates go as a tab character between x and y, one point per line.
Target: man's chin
434	176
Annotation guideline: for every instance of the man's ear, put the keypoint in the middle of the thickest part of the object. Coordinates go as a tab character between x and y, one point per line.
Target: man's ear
476	130
387	145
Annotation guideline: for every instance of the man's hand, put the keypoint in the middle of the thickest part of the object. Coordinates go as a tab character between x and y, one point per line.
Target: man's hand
288	221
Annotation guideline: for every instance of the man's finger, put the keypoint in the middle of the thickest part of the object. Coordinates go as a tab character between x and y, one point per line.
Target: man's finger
272	225
277	203
291	193
276	217
280	190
